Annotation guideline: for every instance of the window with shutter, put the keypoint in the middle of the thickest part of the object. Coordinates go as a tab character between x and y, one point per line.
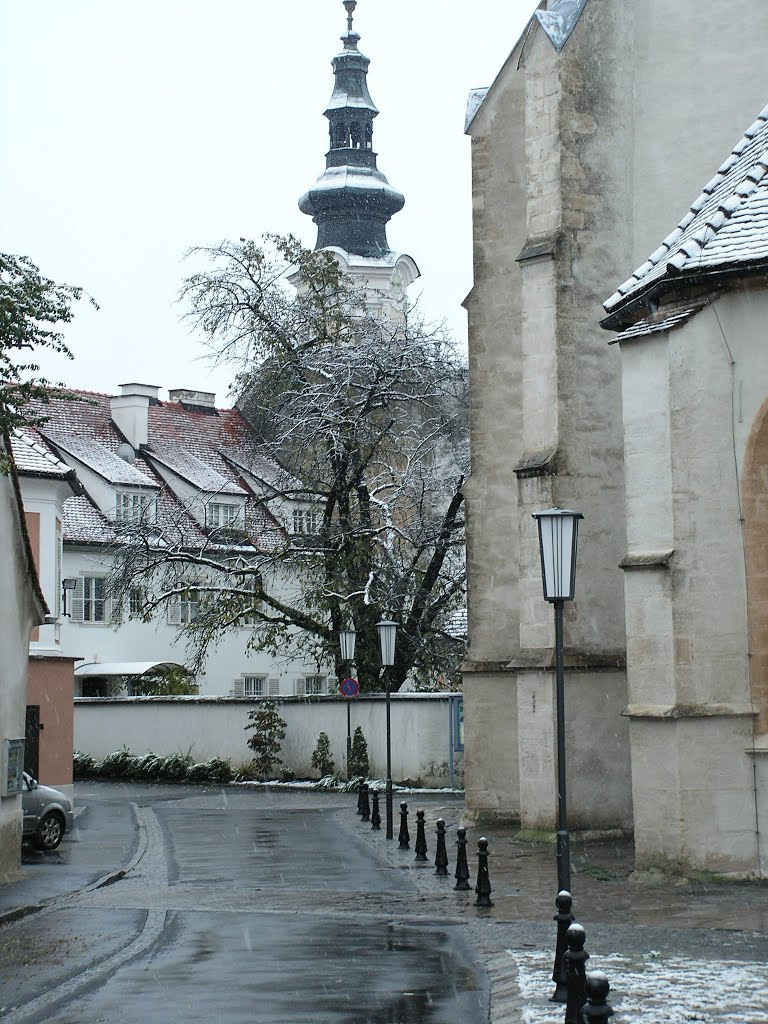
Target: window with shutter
314	685
238	689
183	608
274	687
90	600
301	686
254	686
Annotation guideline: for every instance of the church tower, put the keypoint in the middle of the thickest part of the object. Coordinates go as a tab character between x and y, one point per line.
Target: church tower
351	202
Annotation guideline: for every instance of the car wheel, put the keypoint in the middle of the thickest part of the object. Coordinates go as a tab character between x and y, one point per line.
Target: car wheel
49	832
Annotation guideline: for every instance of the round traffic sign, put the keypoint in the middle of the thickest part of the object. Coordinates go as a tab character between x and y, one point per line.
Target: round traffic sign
350	687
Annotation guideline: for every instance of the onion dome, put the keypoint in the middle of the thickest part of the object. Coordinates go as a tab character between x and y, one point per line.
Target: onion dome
351	201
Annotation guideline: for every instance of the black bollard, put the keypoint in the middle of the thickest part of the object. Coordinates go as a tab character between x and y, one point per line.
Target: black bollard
575	961
597	1007
441	854
564	919
483	887
366	803
462	867
403	837
360	797
375	816
421	837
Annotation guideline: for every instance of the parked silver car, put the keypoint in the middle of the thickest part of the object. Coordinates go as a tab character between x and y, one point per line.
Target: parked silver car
47	814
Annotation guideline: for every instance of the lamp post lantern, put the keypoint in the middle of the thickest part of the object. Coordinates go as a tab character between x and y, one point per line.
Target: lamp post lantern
387	633
347	638
68	586
558	537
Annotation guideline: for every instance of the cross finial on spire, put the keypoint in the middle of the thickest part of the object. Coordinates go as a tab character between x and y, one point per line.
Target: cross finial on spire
350	6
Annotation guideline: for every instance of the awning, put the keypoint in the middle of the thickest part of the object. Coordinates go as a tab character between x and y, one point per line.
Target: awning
124	668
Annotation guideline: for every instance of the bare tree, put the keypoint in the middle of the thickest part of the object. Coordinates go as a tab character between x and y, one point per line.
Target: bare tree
361	425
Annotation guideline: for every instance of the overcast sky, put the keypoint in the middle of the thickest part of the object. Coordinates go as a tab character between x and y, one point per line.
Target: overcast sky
134	129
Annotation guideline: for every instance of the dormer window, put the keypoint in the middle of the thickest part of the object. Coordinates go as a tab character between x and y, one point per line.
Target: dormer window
222	515
306	520
135	507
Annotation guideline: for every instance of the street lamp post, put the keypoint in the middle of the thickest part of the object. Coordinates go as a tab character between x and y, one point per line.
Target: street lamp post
558	536
387	632
347	639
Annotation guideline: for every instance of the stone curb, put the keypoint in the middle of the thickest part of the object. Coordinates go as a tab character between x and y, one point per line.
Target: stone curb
17	913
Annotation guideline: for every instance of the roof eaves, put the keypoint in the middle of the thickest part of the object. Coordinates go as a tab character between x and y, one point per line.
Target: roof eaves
711	281
748	181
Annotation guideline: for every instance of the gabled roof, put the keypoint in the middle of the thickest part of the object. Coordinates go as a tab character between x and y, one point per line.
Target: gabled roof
195	471
726	227
98	457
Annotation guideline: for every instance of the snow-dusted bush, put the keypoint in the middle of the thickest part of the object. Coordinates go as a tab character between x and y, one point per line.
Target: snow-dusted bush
268	735
321	757
215	769
358	755
83	765
117	765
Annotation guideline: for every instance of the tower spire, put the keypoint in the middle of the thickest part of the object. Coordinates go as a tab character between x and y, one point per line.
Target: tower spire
350	6
351	202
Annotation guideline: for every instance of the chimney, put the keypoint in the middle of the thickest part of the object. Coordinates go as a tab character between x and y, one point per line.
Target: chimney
196	401
130	411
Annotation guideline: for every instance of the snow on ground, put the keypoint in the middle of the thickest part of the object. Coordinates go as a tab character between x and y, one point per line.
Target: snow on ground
653	988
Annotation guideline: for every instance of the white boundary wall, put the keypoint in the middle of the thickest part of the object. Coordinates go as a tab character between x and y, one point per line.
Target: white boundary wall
215	726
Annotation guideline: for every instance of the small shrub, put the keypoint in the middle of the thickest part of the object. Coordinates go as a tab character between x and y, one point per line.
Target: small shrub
287	775
147	767
84	766
321	758
174	768
358	755
245	771
116	765
327	782
215	769
268	735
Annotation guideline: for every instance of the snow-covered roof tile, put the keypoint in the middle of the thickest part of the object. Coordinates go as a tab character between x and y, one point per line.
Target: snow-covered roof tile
85	524
726	225
560	20
195	470
99	457
188	440
649	326
32	456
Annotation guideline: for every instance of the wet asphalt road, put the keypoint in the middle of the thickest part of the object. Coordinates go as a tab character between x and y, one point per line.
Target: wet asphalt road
241	906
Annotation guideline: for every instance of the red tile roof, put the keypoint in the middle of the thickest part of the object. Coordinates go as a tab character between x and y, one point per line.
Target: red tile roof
205	448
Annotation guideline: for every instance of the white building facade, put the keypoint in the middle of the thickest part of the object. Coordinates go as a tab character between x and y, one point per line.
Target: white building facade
188	468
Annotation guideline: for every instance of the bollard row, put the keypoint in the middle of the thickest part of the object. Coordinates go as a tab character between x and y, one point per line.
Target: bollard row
483	888
586	995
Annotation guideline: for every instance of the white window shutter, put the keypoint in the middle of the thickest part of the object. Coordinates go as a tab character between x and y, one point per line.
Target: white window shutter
174	611
239	688
301	686
273	686
76	601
